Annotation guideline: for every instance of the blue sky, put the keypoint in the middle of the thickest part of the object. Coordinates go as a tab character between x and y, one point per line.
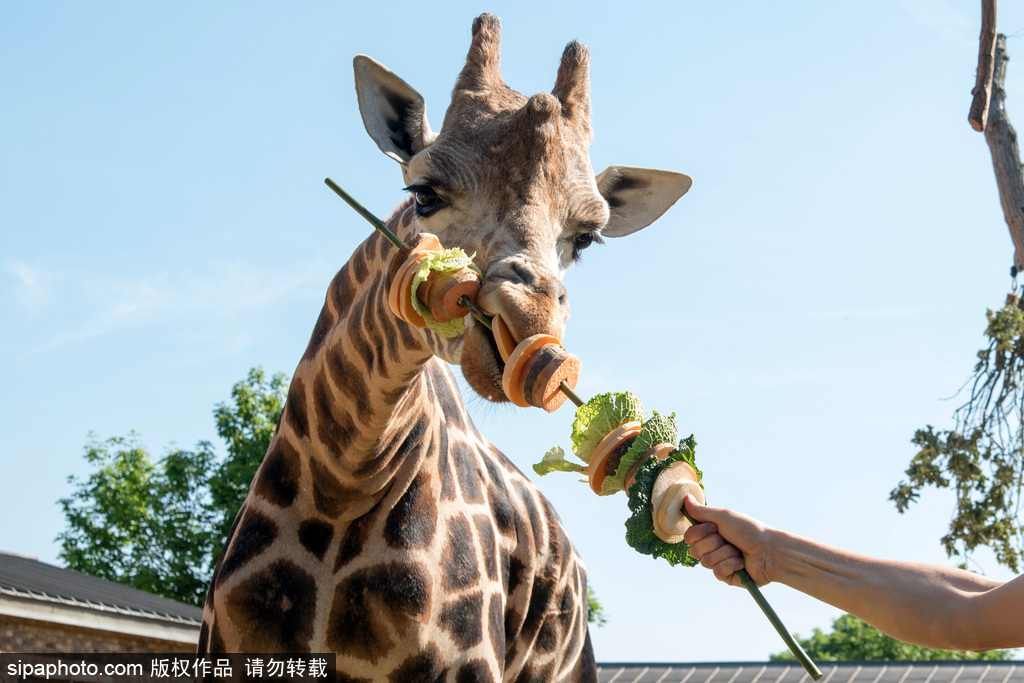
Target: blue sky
816	297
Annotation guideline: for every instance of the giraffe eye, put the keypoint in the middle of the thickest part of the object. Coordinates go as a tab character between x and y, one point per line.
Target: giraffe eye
582	241
426	199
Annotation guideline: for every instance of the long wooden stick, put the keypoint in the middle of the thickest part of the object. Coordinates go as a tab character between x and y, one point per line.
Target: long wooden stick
748	582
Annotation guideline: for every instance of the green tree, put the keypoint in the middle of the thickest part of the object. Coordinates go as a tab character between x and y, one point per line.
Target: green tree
853	639
982	459
140	523
246	425
595	613
159	526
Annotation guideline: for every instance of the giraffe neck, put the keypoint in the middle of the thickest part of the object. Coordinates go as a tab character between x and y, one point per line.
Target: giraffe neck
360	391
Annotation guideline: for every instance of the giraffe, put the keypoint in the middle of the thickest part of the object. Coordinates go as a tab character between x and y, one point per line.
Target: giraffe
381	525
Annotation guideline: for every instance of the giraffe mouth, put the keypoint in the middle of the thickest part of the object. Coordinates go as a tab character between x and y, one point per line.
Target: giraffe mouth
482	365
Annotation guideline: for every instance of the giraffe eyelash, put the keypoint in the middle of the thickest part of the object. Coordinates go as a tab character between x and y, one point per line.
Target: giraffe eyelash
426	199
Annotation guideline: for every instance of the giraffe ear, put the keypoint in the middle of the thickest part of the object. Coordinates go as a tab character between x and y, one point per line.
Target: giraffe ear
638	196
394	114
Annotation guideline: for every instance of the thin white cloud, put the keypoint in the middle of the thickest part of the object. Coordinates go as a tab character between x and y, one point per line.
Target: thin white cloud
109	303
32	287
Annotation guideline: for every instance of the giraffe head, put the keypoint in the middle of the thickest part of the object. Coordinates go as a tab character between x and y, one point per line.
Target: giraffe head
509	178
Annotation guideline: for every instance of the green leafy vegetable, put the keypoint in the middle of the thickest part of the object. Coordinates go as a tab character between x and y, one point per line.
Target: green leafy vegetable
443	261
554	461
600	415
658	429
640	526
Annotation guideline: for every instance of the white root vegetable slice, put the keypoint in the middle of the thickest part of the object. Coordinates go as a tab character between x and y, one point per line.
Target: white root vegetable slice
670	488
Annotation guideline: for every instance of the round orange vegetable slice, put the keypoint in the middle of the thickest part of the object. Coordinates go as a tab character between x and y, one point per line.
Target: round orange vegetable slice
545	373
446	291
408	313
503	337
607	446
510	378
401	285
547	391
659	451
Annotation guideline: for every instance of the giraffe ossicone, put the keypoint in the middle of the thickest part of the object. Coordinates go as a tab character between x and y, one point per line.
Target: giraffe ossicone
381	525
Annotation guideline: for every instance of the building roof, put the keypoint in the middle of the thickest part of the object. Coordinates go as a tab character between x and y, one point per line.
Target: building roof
27	578
832	672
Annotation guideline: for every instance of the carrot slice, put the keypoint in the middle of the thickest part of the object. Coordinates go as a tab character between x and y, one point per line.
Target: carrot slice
447	289
466	282
510	378
421	243
608	444
415	256
659	451
539	360
546	390
409	313
503	337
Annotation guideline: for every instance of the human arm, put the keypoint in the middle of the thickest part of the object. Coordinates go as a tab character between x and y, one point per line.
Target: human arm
929	605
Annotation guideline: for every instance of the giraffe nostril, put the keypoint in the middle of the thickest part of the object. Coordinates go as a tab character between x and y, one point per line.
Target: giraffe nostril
523	274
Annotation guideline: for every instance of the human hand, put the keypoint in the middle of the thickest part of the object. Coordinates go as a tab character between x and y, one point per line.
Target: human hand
726	541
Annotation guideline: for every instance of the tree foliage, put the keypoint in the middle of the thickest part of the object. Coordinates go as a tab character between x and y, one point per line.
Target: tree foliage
982	458
246	425
159	526
852	639
144	524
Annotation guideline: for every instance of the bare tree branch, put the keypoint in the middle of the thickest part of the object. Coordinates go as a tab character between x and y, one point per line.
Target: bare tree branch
1002	143
986	56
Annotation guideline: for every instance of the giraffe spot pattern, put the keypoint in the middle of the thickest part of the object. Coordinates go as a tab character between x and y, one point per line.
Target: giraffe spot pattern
295	409
278	479
375	606
422	666
448	492
349	381
532	673
277	606
254	534
496	625
344	678
460	566
540	600
412	522
329	493
468	474
315	536
488	548
475	671
323	326
352	541
335	426
463	620
204	638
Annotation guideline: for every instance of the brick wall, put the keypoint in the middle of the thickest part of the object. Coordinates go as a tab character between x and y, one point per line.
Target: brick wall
26	635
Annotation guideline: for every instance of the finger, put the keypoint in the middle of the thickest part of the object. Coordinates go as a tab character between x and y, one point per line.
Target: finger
699	531
706	546
697	511
726	570
723	552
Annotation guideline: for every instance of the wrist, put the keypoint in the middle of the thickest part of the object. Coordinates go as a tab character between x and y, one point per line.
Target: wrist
774	543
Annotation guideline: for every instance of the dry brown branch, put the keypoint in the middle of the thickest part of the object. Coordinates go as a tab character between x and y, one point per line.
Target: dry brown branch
1002	143
986	56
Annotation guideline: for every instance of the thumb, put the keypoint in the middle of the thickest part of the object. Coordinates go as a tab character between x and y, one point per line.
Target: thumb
701	513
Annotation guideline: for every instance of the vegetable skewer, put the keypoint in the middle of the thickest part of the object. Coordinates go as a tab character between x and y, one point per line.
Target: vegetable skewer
558	367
